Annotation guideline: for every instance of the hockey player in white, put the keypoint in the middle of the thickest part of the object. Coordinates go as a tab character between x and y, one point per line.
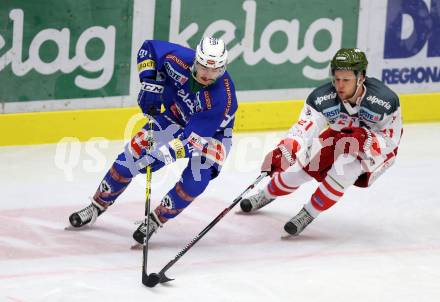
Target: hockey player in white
347	134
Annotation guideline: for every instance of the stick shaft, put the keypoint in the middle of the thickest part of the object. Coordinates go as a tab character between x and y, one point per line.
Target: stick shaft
147	211
210	225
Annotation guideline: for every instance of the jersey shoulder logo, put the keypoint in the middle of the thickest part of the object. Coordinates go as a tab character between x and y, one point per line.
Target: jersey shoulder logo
326	97
177	60
146	65
375	100
143	53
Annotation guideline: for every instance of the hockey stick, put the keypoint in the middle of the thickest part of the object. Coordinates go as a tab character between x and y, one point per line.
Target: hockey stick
147	213
155	278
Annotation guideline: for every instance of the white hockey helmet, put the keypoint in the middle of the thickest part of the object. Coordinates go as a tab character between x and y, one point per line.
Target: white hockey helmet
211	52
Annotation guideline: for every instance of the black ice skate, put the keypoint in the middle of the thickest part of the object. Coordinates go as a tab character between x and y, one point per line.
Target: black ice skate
255	202
298	223
87	215
140	232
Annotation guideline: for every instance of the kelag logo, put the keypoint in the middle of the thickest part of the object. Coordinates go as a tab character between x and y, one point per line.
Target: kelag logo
63	49
412	27
272	44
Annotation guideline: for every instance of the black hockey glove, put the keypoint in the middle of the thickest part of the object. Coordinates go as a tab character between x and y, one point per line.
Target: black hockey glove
150	97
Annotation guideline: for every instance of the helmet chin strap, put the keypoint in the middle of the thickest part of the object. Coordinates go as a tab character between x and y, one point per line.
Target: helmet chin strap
358	85
194	72
193	69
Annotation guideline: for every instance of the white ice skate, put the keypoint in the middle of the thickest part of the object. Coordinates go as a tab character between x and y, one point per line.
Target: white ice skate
141	231
298	223
87	215
255	202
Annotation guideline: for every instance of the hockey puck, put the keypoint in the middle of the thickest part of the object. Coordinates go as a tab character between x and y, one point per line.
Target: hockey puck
152	280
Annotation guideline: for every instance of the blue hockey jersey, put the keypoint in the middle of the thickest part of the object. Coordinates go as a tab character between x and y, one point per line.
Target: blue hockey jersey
202	113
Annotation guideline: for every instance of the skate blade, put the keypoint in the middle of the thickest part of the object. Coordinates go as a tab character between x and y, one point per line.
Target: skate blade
74	229
239	212
288	237
136	246
252	213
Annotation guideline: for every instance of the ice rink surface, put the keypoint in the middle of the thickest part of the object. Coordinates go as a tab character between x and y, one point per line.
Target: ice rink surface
376	244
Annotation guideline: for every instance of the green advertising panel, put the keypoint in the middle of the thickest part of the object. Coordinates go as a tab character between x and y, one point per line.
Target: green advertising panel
64	49
276	44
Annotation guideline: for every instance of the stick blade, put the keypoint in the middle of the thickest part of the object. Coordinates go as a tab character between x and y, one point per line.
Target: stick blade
164	279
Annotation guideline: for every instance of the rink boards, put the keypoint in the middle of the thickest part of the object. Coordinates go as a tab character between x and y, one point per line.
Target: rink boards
120	123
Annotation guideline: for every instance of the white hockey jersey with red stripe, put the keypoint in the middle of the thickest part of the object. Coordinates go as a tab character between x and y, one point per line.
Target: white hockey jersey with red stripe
378	110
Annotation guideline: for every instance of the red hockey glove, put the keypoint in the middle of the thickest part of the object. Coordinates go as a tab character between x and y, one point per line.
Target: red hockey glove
281	158
361	135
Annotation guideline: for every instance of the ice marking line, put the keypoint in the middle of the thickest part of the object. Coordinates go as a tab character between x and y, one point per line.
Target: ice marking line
40	222
25	231
14	299
277	258
15	243
65	272
320	254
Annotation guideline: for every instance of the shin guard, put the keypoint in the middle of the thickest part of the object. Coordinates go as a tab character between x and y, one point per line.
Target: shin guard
174	202
111	187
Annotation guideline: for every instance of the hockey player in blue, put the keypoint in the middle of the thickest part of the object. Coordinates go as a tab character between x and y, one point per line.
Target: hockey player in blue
200	102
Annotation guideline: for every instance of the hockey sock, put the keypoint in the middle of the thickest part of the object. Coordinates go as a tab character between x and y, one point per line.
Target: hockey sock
111	187
183	193
174	202
325	196
278	187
